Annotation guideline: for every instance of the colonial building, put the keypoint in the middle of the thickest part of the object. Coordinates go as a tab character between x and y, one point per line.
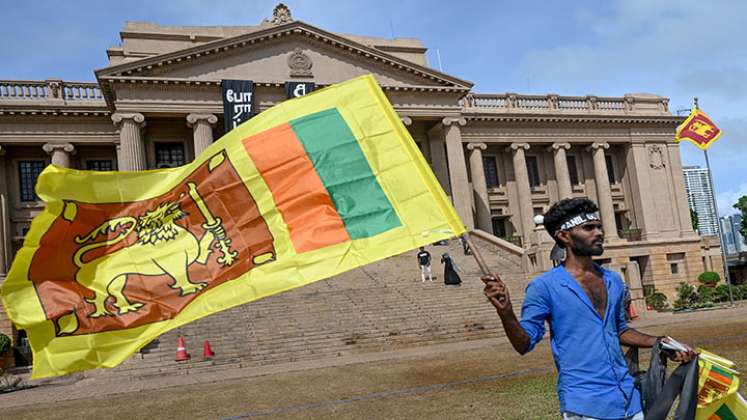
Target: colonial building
502	157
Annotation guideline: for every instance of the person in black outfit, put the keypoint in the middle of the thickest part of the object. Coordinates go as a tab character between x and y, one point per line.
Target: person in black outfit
424	260
451	277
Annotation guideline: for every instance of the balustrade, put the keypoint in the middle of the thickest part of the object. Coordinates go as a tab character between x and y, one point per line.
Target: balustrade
81	91
30	90
552	102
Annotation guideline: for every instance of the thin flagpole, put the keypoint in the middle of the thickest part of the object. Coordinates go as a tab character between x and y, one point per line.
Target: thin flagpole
718	226
476	253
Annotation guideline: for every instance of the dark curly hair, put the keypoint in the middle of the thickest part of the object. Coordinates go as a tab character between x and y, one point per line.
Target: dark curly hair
564	210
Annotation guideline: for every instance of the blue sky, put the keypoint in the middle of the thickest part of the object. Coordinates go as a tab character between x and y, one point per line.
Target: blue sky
678	49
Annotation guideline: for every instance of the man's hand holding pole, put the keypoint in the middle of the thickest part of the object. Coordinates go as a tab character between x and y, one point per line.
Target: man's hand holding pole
497	293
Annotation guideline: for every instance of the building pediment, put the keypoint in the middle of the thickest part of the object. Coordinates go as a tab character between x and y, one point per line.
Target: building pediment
293	51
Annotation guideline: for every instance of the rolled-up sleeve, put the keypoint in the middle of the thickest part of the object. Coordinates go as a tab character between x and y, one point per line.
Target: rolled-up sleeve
622	324
534	312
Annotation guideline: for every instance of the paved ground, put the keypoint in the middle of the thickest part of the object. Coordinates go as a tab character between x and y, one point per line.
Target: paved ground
478	379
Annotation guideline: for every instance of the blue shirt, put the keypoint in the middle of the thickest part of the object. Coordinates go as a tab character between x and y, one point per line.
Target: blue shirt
593	378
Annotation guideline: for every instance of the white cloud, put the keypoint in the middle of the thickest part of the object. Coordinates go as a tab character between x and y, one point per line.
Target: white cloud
647	43
726	200
728	83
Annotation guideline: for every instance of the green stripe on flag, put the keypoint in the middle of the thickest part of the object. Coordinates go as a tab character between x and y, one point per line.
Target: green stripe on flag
725	414
722	372
343	168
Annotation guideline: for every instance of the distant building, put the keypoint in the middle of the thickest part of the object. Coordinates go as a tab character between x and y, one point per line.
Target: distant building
733	239
699	198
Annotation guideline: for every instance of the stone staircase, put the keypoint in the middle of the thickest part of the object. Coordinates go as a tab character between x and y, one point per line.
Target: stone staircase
382	306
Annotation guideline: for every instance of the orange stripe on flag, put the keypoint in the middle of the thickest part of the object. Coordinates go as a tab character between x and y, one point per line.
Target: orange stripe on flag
300	195
721	378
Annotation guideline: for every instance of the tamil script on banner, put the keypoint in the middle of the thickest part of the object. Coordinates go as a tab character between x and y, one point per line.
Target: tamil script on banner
308	189
238	102
298	89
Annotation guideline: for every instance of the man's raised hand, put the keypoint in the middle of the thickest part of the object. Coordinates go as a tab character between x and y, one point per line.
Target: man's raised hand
497	293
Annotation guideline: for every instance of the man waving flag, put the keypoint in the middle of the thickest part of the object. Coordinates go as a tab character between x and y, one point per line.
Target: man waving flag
306	190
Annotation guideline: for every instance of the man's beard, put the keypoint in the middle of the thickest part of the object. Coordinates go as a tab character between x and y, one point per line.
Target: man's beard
583	250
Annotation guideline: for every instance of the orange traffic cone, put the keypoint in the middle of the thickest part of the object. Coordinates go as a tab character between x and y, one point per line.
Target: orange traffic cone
632	312
207	352
181	351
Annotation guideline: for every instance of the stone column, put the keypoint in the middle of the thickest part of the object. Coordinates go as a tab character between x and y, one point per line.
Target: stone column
4	219
417	131
202	130
60	152
525	192
480	187
680	193
637	162
438	156
131	156
562	176
460	193
604	193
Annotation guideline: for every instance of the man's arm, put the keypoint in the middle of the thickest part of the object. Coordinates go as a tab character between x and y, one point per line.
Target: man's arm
497	294
635	338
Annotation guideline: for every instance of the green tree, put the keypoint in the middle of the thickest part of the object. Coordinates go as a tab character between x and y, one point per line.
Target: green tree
741	205
694	219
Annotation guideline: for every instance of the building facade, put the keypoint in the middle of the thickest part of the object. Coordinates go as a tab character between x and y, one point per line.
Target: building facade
699	198
732	237
502	158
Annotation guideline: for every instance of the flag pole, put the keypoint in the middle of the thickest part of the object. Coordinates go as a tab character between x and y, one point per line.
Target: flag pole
476	253
718	222
718	225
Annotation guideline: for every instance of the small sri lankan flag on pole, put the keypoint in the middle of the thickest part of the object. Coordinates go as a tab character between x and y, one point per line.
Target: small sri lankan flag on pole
699	129
308	189
718	385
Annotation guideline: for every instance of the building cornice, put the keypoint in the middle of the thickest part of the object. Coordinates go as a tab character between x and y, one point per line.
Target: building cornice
295	28
277	84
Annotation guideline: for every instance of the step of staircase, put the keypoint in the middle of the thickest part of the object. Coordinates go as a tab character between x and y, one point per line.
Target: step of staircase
380	307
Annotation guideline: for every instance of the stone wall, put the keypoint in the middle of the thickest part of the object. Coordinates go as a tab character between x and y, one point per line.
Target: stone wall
666	264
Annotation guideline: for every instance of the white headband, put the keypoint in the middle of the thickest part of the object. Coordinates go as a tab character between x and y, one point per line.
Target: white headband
579	220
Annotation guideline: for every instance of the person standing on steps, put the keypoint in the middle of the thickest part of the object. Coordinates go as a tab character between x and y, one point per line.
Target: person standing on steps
584	305
424	260
451	277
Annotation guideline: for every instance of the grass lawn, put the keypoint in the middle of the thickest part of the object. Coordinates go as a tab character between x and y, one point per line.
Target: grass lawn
480	383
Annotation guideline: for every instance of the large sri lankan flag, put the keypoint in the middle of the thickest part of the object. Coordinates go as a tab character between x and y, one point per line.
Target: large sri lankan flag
305	190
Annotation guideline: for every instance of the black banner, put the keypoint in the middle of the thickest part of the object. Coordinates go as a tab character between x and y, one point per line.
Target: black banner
238	102
298	89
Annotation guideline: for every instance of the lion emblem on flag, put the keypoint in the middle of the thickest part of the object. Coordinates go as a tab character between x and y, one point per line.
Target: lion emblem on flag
162	248
702	129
